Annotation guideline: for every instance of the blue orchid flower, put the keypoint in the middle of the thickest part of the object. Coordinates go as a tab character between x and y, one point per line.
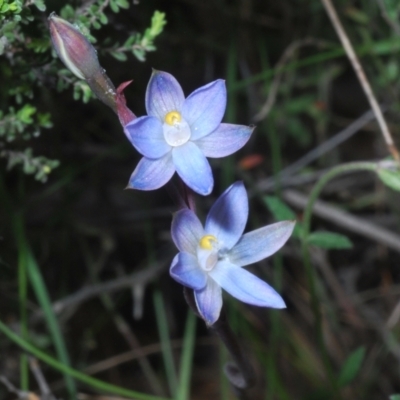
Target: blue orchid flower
178	134
212	257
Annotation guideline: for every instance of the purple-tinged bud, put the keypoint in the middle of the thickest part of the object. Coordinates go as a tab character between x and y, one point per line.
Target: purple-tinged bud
74	50
80	57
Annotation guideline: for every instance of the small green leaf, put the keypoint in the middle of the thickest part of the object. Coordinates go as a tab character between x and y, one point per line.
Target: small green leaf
282	212
96	25
122	3
114	6
392	71
390	178
278	208
130	41
40	5
357	15
103	18
25	114
300	104
394	397
120	56
67	12
299	131
157	24
351	367
139	54
329	240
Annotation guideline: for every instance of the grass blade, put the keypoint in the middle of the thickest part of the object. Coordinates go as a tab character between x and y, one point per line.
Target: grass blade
185	372
166	347
43	298
22	294
93	382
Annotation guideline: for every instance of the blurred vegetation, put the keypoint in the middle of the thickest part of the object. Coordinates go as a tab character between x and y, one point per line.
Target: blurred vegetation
70	230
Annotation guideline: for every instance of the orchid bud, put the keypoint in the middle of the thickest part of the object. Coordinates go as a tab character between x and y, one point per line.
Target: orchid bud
80	57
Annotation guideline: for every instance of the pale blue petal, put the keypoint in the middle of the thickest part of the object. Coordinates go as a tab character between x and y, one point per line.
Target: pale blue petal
193	168
152	174
186	231
209	301
146	134
204	108
186	270
245	286
261	243
228	216
225	140
163	95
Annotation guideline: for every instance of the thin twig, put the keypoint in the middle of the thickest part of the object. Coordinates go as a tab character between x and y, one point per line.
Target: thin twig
45	392
132	355
394	317
273	90
12	389
314	154
358	69
86	293
131	339
144	351
21	395
345	220
344	301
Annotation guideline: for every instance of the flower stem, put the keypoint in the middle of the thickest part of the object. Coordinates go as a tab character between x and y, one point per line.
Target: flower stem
240	373
319	186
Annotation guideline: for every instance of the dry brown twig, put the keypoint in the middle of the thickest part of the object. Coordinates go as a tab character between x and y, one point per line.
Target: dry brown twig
285	175
345	220
273	91
22	395
358	69
142	277
45	392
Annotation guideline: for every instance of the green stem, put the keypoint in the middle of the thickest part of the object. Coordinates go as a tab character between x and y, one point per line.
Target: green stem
186	363
52	362
311	275
319	186
168	358
32	270
22	294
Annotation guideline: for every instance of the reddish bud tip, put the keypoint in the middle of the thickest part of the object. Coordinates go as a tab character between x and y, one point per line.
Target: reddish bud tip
125	115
